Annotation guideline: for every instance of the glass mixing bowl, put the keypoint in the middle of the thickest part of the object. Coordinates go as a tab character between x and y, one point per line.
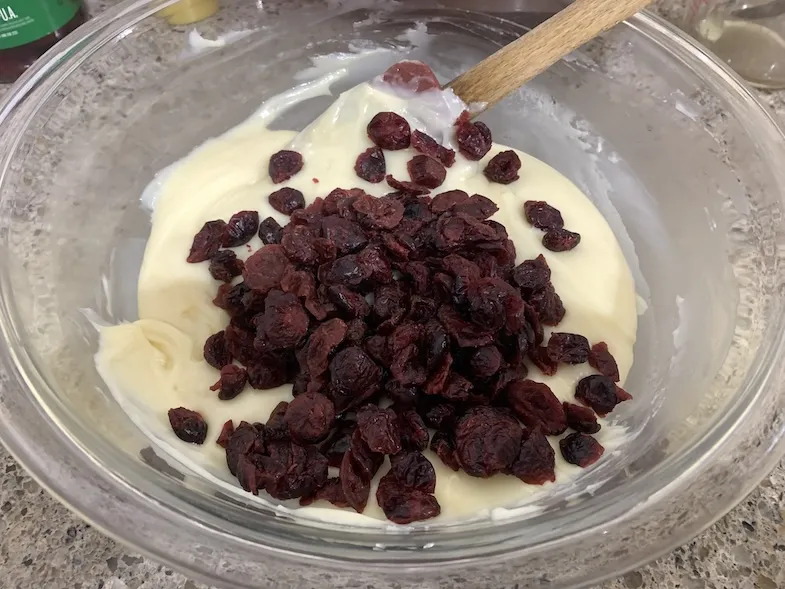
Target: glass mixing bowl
683	161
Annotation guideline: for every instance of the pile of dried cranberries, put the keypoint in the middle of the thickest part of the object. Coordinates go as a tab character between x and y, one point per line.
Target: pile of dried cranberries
402	323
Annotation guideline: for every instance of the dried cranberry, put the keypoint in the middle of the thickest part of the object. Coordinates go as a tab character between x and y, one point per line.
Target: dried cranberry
405	189
534	331
188	425
379	429
580	449
487	441
389	305
339	202
207	242
402	505
337	445
323	341
267	371
353	373
411	75
222	297
459	267
252	301
247	474
569	348
225	265
443	446
241	228
405	366
548	305
488	301
457	388
535	405
376	346
373	262
446	201
226	434
240	342
302	246
291	471
346	270
349	303
503	167
580	418
603	361
370	165
301	283
413	471
536	462
414	434
439	416
622	395
461	230
421	309
485	361
368	461
331	491
265	267
439	376
246	439
427	145
358	467
598	392
474	139
466	334
420	276
532	275
310	417
286	200
477	206
284	322
283	165
276	426
347	235
355	331
216	350
378	213
389	131
231	383
426	171
542	215
403	396
270	231
356	487
560	240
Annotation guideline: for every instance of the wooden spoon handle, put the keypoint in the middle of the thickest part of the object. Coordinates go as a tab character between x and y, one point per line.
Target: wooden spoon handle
517	63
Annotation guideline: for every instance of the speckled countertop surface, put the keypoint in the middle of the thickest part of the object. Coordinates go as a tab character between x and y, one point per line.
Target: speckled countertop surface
42	545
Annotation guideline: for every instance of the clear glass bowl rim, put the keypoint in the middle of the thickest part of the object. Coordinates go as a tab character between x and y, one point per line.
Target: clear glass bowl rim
132	515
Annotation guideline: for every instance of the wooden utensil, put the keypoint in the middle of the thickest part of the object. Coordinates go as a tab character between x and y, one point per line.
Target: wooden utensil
515	64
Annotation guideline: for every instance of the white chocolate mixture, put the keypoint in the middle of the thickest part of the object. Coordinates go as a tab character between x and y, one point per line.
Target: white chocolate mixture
156	363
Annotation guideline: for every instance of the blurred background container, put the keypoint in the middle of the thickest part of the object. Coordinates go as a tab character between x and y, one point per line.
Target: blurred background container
748	35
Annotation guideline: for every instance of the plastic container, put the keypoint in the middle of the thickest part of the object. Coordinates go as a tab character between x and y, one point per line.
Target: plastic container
29	27
680	157
748	36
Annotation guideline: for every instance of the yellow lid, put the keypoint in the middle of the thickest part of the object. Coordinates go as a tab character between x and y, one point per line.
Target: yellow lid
186	12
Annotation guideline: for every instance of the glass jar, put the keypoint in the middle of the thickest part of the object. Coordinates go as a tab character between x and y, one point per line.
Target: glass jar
29	27
749	35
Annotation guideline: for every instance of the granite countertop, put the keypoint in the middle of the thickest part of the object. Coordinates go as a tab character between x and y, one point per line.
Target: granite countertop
43	545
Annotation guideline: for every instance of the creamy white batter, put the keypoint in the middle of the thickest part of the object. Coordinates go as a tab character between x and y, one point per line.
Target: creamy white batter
156	363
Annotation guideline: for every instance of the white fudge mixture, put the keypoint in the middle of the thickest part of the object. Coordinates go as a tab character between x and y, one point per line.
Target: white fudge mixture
156	362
